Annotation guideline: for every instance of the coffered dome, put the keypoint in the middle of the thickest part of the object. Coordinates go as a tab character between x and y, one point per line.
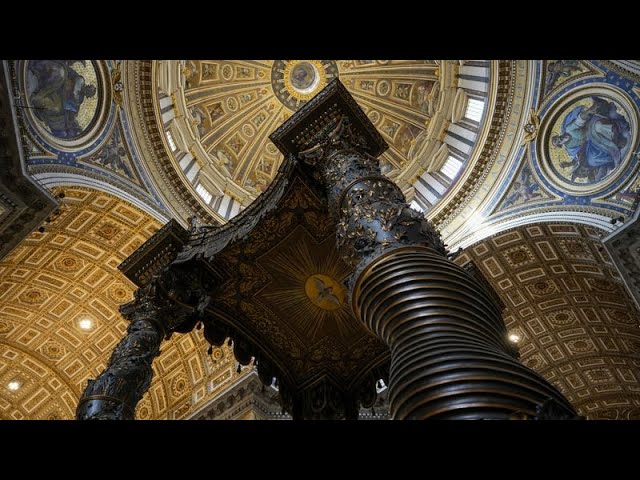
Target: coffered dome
217	117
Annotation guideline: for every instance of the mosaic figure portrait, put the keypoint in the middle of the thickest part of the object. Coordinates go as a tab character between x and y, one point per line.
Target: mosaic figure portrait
523	190
63	95
559	71
590	140
302	76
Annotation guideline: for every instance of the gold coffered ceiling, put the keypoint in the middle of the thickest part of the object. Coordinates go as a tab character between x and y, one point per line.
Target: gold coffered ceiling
55	279
565	300
219	115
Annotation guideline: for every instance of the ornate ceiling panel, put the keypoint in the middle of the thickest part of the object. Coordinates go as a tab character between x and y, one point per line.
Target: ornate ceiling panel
72	130
54	280
579	151
564	298
206	123
285	280
233	107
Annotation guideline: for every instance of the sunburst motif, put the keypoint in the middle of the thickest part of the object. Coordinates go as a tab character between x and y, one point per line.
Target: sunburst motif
295	269
324	292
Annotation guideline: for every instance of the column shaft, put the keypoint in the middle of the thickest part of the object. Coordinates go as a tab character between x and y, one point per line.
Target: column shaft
116	392
449	354
449	357
172	301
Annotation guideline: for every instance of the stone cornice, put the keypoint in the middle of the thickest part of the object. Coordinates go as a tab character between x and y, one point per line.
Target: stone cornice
499	103
140	107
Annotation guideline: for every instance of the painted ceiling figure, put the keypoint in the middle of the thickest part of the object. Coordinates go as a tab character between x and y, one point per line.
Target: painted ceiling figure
595	138
559	69
57	92
112	157
524	189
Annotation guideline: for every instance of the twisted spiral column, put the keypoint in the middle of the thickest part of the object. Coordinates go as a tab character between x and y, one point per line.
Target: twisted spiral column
449	354
153	315
116	392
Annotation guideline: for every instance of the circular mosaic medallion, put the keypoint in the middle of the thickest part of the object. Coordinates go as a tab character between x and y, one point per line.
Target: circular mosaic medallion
294	82
304	77
65	99
587	140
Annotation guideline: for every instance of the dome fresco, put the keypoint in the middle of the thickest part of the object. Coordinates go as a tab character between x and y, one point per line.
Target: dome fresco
217	117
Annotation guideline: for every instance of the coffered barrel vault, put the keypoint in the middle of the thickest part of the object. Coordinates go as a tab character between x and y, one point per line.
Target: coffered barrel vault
565	300
55	281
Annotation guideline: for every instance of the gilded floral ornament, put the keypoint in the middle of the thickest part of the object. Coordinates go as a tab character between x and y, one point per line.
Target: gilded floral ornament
117	85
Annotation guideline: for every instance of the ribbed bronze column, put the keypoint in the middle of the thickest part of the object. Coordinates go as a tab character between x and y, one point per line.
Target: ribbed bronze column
450	358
